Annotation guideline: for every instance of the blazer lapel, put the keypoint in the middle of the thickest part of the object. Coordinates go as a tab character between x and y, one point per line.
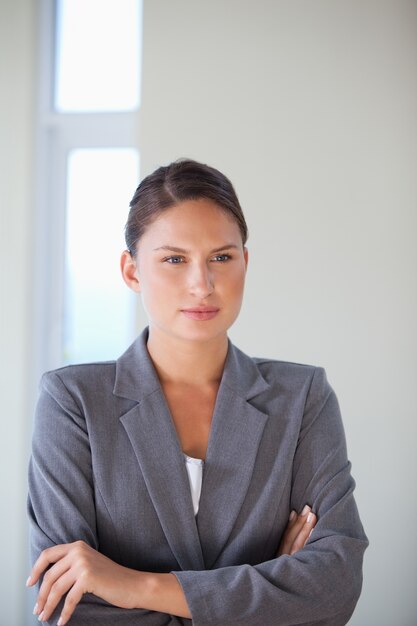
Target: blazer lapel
236	432
155	442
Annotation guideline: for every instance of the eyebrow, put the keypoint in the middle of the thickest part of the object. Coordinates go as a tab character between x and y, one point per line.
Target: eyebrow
183	251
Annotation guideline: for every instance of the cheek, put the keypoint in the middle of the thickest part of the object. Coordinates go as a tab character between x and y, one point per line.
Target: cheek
157	283
236	283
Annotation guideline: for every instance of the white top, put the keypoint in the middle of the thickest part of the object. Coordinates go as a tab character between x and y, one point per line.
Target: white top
195	476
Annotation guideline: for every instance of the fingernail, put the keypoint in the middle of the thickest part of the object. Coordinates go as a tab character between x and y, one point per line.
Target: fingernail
35	609
60	622
309	518
292	515
28	581
40	618
305	510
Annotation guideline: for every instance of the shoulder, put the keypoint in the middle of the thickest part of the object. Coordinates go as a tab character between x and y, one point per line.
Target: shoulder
306	392
284	368
79	379
79	371
73	395
289	370
274	378
310	381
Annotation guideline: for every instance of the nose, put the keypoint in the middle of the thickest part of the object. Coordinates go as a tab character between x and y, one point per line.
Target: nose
201	280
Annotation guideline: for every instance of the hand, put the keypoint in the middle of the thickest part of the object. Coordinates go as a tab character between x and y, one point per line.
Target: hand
297	532
78	569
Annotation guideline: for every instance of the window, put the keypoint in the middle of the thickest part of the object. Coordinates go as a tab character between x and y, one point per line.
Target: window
88	170
98	306
97	55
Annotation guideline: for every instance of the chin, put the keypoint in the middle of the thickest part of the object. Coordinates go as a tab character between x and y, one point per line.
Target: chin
185	329
204	331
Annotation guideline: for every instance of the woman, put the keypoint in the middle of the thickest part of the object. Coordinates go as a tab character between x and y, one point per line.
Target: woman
161	484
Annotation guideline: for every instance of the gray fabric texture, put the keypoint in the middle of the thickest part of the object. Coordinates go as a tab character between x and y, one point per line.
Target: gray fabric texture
107	468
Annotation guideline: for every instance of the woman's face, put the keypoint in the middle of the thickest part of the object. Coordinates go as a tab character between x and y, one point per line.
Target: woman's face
190	269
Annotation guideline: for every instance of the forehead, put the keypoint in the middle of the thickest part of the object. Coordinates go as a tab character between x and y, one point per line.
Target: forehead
191	219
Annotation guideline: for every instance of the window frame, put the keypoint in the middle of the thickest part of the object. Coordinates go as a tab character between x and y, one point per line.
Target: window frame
57	133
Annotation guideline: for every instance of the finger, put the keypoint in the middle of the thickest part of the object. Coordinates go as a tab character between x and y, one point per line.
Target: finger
48	556
294	525
304	533
292	518
64	584
293	529
49	579
73	598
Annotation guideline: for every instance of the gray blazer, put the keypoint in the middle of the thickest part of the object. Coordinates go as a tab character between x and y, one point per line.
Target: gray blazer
107	467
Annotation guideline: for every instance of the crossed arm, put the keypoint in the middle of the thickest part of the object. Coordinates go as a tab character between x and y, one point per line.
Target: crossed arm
76	569
319	584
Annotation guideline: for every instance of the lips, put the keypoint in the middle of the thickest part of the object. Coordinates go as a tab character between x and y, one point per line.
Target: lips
200	313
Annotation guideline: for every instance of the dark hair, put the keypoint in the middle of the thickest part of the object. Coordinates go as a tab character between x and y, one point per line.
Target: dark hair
178	182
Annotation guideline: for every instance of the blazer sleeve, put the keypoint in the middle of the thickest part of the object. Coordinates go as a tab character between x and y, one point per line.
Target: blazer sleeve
321	583
61	498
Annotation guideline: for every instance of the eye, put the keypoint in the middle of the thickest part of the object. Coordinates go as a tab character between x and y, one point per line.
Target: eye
222	258
174	260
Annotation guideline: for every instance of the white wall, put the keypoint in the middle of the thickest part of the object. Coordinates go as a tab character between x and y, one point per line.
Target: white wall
16	192
310	108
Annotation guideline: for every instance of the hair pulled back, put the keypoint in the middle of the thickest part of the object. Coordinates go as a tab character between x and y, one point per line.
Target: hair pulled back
180	181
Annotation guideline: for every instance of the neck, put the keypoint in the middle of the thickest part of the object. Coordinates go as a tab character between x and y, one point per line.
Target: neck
194	363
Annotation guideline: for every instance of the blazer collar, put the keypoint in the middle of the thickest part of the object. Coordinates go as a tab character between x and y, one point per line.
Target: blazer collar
136	377
235	435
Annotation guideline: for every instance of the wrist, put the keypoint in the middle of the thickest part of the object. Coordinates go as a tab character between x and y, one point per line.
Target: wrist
148	589
163	593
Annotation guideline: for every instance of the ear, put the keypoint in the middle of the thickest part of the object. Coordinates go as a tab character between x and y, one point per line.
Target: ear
246	256
129	271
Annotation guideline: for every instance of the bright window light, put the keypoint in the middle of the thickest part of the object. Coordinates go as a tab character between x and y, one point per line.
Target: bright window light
98	55
98	309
